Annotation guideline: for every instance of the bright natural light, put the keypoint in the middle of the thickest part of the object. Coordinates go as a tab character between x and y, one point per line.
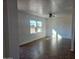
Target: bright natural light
39	23
59	36
35	26
33	23
32	26
56	35
39	26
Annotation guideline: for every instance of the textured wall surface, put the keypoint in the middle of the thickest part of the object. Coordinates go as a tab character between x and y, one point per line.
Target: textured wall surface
24	28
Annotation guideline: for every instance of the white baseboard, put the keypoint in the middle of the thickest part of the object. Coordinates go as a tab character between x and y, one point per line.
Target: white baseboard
29	41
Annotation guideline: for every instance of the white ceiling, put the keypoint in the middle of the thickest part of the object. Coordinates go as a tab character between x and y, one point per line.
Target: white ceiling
44	7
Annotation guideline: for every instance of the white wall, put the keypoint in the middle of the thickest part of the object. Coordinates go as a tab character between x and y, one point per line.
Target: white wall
24	28
61	24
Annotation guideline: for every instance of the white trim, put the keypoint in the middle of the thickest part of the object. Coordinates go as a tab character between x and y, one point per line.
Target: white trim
29	41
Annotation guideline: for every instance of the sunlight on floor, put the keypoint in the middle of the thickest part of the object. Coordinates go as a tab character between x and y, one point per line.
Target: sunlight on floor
59	36
55	41
56	35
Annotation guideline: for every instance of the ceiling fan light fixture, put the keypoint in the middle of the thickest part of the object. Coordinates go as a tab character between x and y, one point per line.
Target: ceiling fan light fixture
50	14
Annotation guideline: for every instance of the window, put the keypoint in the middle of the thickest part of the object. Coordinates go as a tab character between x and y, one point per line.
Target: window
32	26
39	26
35	26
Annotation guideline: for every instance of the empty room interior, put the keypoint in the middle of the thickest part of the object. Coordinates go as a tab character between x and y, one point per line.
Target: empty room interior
45	29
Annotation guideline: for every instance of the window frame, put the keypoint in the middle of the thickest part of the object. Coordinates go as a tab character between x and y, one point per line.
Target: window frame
36	27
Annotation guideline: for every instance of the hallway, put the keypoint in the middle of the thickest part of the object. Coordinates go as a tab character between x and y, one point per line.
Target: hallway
47	48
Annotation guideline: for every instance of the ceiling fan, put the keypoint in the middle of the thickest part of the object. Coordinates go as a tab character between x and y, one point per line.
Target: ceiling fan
52	14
